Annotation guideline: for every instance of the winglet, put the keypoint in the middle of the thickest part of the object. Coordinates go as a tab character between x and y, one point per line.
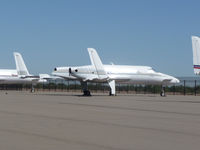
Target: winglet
20	65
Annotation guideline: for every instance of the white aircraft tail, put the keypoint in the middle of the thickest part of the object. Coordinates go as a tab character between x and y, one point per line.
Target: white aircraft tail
20	65
196	54
96	62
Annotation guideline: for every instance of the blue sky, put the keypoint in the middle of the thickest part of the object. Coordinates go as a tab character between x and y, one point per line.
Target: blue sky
52	33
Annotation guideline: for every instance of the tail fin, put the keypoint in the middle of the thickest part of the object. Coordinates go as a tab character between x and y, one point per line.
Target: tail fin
20	65
196	54
96	61
97	64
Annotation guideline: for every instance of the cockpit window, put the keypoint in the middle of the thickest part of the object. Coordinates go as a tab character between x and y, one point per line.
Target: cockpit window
153	69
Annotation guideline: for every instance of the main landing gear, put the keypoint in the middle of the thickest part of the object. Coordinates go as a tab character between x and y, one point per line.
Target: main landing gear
86	92
111	83
112	88
111	94
32	89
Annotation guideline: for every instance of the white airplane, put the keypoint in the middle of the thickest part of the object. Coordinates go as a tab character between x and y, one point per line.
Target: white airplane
196	54
20	75
112	74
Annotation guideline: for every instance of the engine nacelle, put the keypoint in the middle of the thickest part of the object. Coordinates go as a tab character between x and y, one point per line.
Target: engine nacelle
61	69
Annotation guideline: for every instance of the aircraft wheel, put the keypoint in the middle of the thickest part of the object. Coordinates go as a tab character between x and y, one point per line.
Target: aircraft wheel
110	94
162	93
86	93
32	90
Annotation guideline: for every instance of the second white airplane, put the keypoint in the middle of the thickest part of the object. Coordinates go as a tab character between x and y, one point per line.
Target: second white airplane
20	75
112	74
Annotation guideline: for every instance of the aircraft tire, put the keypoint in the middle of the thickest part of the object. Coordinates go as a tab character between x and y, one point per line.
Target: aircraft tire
86	93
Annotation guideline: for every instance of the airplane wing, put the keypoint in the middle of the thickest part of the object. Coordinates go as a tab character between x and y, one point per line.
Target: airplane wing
44	76
47	77
30	76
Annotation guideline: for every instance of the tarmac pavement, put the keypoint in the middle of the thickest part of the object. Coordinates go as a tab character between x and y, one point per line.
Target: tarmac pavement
58	121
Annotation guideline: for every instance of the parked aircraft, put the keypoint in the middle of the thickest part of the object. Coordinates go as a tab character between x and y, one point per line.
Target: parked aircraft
196	54
112	74
20	75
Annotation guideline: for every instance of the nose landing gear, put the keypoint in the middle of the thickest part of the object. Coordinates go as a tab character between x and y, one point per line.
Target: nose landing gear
162	93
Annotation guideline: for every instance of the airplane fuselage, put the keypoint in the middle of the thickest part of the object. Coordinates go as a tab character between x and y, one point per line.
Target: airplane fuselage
8	76
119	73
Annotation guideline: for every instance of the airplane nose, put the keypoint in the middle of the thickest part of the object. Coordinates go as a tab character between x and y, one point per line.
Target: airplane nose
175	80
